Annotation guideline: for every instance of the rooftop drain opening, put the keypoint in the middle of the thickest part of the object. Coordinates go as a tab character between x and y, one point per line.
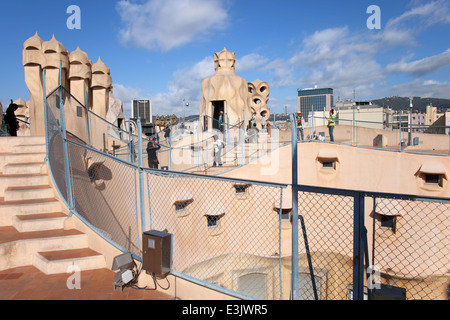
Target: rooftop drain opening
181	201
285	213
387	213
181	205
214	221
328	161
328	164
241	188
432	176
285	208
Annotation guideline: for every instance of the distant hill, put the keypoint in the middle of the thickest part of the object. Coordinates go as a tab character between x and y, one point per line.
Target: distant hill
420	104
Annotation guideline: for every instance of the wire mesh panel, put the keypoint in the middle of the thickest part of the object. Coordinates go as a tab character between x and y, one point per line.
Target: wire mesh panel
105	195
411	246
226	232
328	229
55	149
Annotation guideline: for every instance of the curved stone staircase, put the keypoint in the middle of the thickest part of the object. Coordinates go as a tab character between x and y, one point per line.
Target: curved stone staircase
32	219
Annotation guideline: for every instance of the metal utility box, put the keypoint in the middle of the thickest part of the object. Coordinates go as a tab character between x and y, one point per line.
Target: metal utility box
157	252
387	292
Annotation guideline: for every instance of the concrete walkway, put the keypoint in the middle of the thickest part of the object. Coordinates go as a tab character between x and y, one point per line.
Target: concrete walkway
28	283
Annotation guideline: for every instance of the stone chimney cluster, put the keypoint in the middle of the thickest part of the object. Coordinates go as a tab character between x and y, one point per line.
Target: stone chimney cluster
79	76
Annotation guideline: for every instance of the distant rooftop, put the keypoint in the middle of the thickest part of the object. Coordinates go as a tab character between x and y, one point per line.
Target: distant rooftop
314	91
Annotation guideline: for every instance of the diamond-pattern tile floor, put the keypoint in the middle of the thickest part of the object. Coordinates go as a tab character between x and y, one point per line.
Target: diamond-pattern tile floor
28	283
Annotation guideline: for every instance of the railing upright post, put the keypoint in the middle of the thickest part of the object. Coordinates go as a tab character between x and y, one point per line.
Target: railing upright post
66	153
87	119
45	114
141	175
295	284
358	247
400	131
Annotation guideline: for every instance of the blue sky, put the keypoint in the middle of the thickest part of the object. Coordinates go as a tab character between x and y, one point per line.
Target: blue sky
163	49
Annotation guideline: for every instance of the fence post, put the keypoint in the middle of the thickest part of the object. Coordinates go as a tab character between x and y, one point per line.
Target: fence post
358	247
130	144
66	153
353	128
87	119
141	175
400	131
312	123
45	115
295	268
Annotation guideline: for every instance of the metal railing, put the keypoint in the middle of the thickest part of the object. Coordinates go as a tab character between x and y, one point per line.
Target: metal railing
366	245
212	246
393	136
247	238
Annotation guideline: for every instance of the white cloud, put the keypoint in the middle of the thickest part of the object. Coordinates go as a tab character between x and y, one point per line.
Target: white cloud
167	24
126	94
333	58
403	29
421	67
429	14
346	60
249	62
423	88
339	58
186	84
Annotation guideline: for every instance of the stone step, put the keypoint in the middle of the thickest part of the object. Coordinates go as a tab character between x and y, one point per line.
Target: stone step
29	148
9	158
19	248
39	222
9	209
16	180
7	143
57	262
25	168
29	193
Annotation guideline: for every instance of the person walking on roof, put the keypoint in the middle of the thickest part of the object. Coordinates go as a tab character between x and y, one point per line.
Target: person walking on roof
12	124
331	124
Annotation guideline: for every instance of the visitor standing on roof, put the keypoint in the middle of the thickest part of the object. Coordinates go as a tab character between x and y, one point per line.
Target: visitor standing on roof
263	121
167	135
300	122
152	149
331	123
221	123
12	124
218	146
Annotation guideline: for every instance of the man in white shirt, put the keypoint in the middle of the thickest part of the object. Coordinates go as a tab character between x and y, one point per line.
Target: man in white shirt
218	146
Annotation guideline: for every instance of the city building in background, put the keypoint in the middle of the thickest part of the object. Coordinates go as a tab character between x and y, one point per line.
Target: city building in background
143	109
317	99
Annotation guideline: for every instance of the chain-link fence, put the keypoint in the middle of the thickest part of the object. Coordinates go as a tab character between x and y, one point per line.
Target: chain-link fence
105	195
327	225
236	236
406	249
410	245
226	231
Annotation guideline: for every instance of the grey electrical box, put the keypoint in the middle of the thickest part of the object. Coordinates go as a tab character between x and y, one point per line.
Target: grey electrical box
157	252
386	292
